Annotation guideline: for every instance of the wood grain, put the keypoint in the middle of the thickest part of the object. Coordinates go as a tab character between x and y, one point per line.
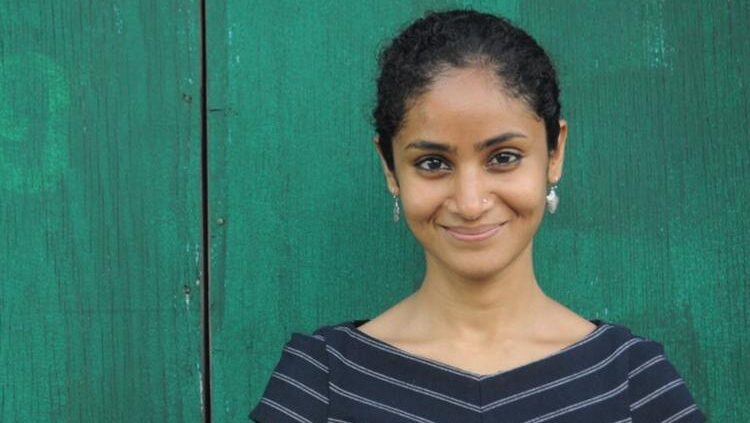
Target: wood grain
100	212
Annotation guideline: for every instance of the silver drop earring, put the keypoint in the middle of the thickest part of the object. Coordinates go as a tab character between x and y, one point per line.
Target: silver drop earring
552	200
396	209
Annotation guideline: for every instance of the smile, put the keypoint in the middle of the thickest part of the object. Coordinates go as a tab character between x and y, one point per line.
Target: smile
473	234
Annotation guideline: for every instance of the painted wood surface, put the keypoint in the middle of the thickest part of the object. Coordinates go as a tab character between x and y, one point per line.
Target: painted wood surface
100	211
652	230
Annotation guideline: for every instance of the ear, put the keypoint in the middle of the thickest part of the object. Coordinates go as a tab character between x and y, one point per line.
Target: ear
390	177
557	157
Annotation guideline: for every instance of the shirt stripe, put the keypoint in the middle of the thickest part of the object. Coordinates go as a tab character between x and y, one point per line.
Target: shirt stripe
562	381
581	404
284	410
682	413
301	386
306	357
378	405
402	384
655	394
646	365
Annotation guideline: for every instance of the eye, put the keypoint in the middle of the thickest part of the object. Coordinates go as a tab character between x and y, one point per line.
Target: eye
504	159
432	164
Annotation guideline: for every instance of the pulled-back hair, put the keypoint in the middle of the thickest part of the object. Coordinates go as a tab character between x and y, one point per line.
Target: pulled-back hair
458	39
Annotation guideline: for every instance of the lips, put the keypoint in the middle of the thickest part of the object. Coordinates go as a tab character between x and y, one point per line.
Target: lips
473	233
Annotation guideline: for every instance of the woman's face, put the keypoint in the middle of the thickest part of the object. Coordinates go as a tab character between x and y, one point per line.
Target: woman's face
472	170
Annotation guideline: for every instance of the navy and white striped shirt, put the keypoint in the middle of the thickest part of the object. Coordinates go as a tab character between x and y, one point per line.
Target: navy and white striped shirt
341	374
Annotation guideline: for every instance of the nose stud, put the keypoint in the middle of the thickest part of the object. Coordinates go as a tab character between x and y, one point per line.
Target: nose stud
485	201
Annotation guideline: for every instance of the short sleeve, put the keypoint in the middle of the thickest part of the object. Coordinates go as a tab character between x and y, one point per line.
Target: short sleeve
657	392
298	388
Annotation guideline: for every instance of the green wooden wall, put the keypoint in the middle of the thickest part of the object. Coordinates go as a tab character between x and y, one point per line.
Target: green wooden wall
100	192
100	211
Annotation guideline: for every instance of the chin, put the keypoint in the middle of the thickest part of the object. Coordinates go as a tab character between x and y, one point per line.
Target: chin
481	265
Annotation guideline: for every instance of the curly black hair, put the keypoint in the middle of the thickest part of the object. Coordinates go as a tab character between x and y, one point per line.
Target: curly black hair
459	39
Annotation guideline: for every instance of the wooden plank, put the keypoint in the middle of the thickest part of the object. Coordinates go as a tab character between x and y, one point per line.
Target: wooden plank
100	211
651	230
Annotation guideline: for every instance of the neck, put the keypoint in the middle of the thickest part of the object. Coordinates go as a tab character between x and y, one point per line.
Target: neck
501	305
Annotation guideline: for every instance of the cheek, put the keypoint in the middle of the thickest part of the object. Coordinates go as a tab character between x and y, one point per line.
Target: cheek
421	201
524	194
528	194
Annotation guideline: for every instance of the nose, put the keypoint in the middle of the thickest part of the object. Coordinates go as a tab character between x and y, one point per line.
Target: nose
470	199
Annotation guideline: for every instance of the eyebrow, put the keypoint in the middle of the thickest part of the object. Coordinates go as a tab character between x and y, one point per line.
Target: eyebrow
437	146
498	140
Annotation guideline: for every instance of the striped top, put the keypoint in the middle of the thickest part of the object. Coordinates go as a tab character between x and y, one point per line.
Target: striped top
340	374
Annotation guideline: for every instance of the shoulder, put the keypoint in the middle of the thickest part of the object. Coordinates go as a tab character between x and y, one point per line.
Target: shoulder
298	387
641	353
657	391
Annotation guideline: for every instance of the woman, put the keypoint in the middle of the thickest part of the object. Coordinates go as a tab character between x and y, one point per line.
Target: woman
471	141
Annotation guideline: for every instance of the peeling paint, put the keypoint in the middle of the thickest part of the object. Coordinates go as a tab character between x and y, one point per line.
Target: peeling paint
186	292
200	386
118	19
657	57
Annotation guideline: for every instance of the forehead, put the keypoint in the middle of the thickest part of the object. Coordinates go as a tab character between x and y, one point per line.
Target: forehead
470	104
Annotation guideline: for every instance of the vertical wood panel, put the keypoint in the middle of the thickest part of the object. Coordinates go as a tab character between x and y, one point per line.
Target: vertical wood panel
100	211
652	232
653	227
